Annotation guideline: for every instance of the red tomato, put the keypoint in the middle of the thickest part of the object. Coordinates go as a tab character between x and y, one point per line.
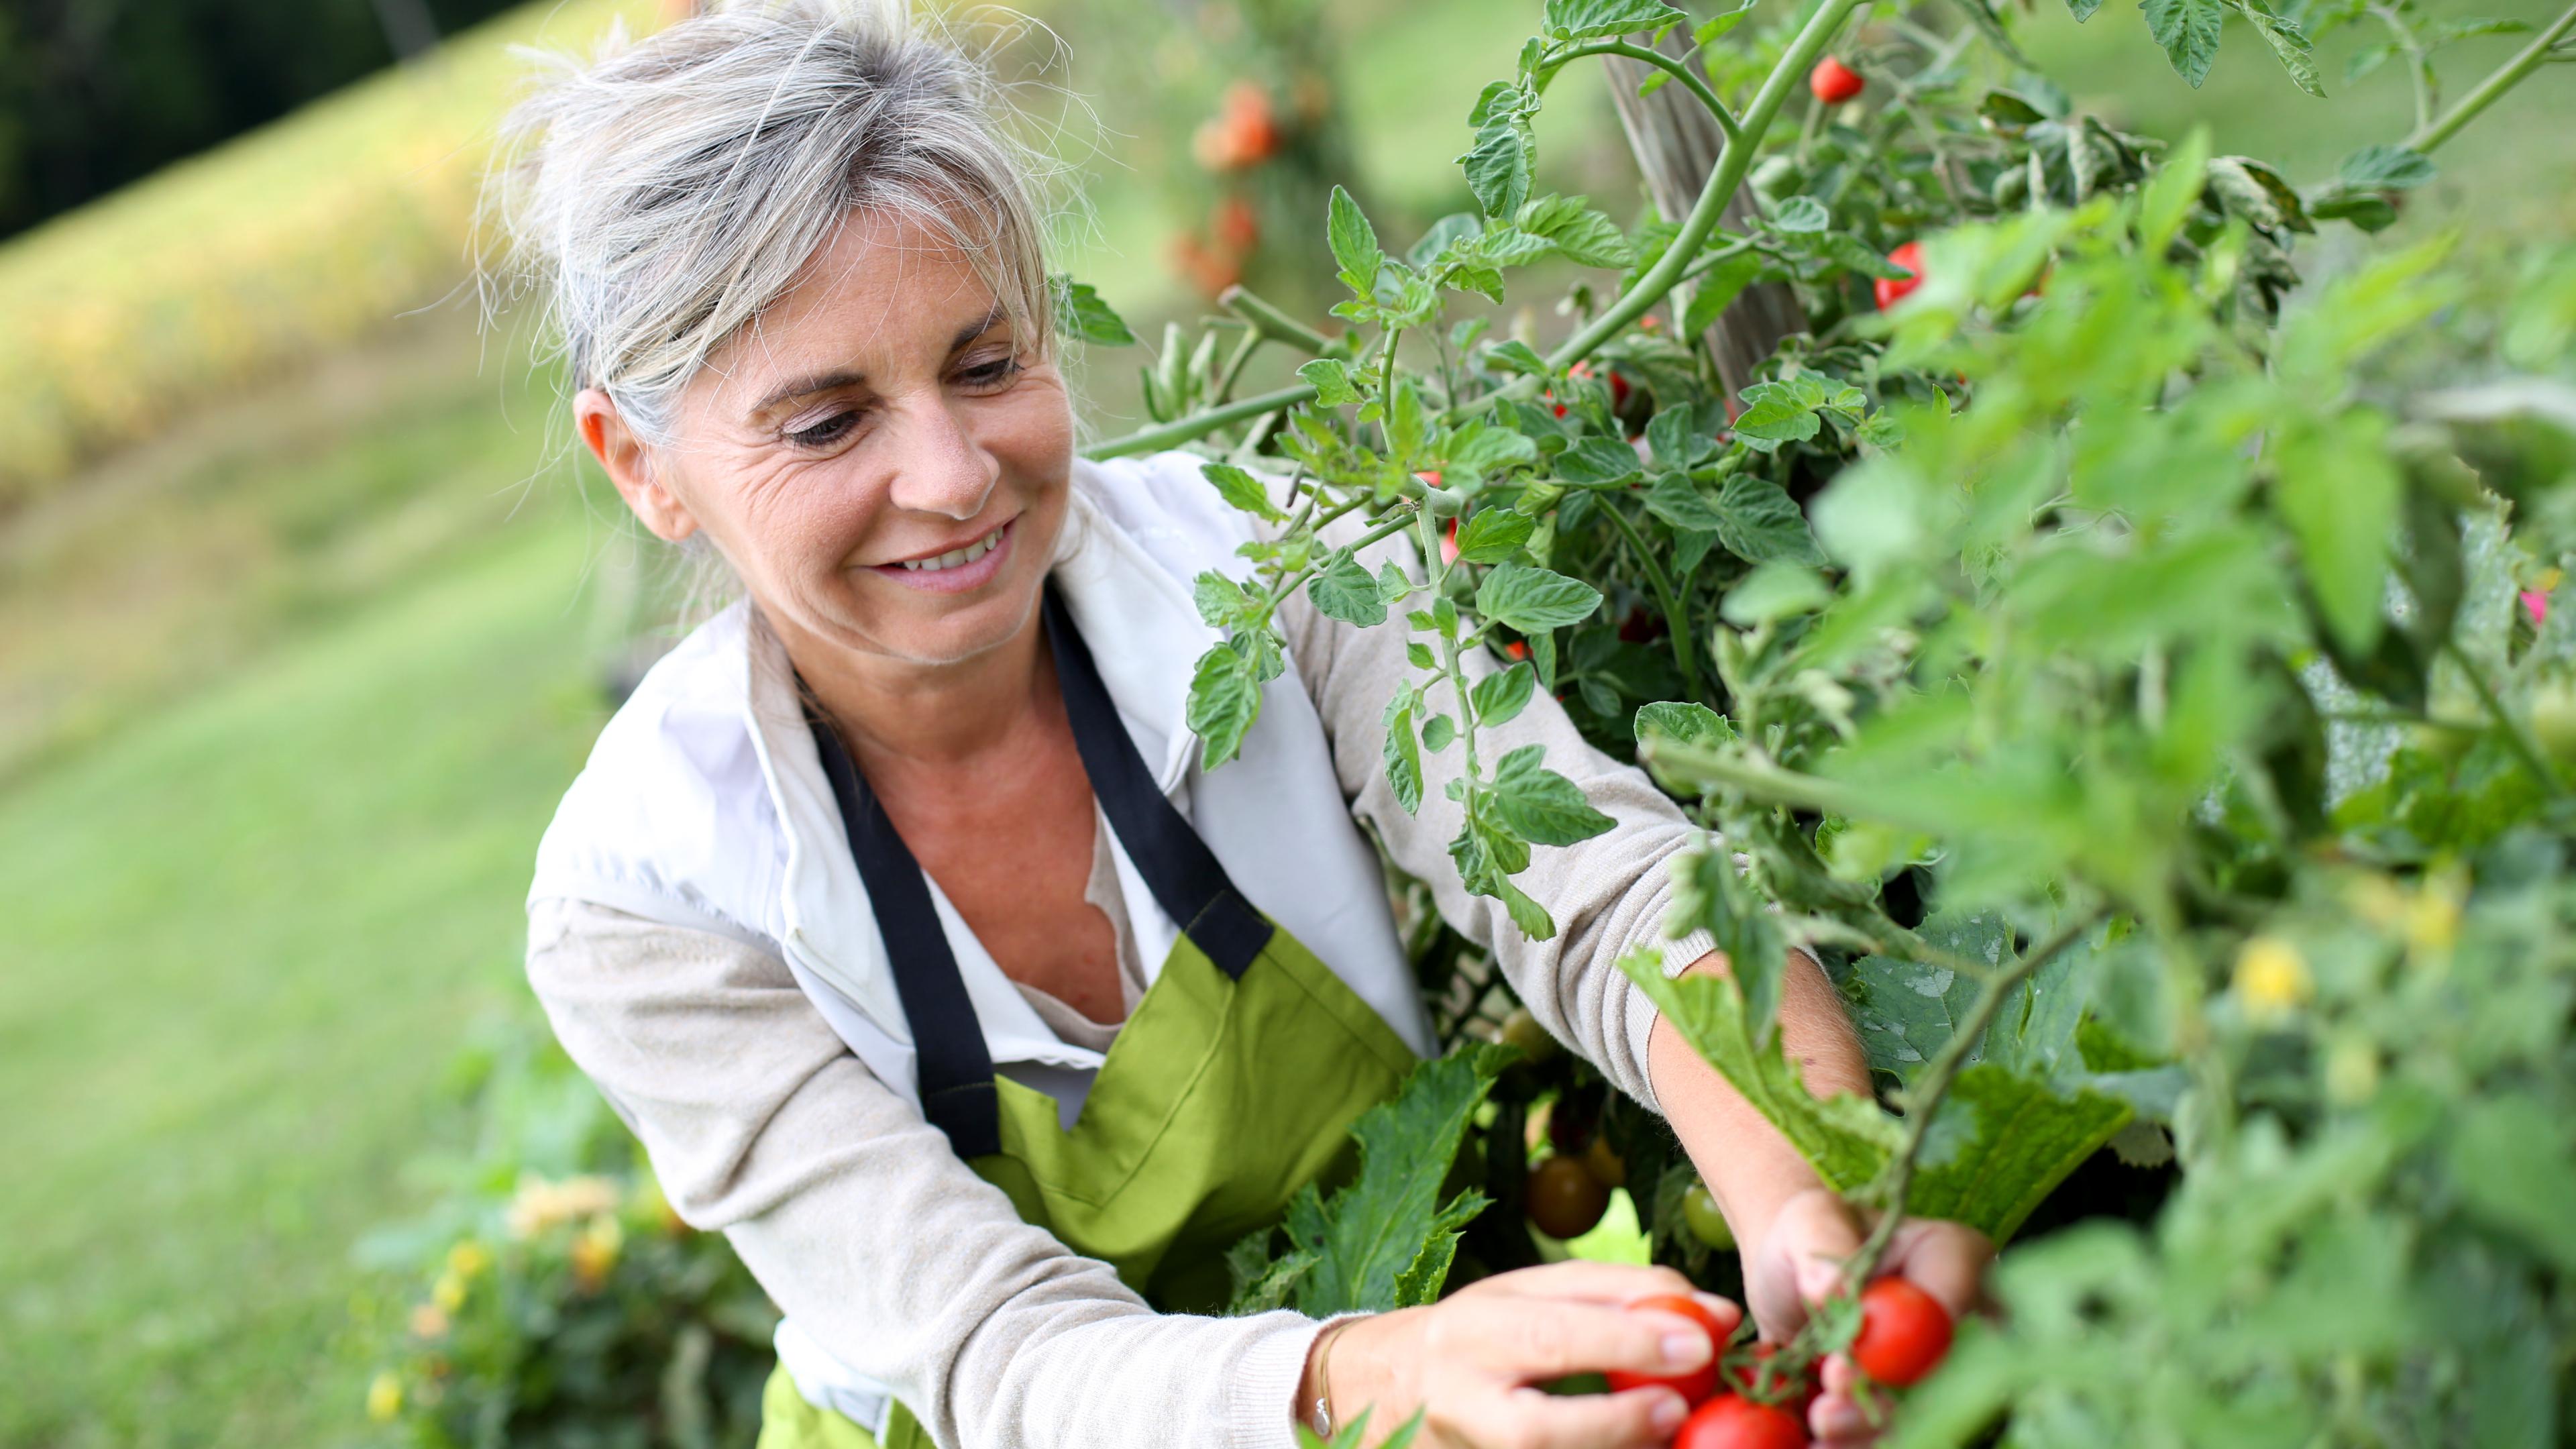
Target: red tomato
1834	82
1696	1386
1564	1201
1618	385
1516	649
1904	1332
1890	292
1237	229
1732	1422
1449	544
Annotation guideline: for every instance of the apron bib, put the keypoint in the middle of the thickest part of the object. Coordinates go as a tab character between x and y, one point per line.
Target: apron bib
1233	1083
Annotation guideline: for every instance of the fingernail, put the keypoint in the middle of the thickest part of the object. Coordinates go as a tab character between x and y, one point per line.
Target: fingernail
1686	1350
1669	1413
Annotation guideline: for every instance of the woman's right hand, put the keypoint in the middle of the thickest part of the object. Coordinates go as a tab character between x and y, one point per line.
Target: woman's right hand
1469	1362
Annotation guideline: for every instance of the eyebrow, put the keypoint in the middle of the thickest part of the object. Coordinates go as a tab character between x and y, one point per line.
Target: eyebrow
845	377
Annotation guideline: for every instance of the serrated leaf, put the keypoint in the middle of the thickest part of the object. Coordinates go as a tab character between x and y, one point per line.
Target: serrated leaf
1242	490
1224	701
1534	600
1347	591
1681	721
1499	698
1577	232
1444	235
1331	380
2188	30
1544	806
1491	535
1406	424
1780	412
1598	460
1478	449
1674	437
1675	499
1403	753
2290	44
1222	603
1801	214
1080	312
2002	1143
1262	1284
1760	523
1845	1138
1374	1231
1354	242
2392	168
1498	165
1569	20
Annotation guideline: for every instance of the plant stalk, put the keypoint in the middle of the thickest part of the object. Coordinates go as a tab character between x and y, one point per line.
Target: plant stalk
1271	322
1199	424
2505	78
1645	55
1675	623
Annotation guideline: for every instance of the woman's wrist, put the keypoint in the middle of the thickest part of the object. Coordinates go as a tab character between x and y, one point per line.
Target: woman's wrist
1346	1370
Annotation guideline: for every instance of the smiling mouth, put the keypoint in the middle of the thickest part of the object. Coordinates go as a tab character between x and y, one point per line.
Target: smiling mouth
957	557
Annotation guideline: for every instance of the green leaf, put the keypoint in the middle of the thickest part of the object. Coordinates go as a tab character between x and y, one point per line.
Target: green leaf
1675	499
1774	590
1354	242
1578	233
1534	600
1716	290
2002	1142
1544	806
1598	460
1222	602
1403	752
1262	1283
1080	313
2188	30
1242	490
1373	1233
1406	426
1801	214
1499	164
1846	1138
1675	438
1225	699
2290	44
2511	1160
1331	380
1437	732
1491	535
1347	591
1569	20
1516	356
2392	168
1683	722
1780	412
1760	523
2335	487
1499	698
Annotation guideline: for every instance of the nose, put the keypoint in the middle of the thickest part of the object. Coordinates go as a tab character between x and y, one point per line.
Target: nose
939	466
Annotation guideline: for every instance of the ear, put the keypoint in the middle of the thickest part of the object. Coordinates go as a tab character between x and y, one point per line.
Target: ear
629	464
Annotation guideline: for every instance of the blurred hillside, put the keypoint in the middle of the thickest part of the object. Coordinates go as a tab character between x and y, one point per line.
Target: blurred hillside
302	613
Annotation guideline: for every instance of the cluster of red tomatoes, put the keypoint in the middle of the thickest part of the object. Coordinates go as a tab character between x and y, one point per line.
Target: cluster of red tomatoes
1833	83
1754	1396
1240	136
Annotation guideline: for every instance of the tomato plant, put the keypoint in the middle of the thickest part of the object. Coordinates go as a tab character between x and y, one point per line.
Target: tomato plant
2045	660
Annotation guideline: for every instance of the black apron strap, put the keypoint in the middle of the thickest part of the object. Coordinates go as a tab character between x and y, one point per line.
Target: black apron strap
1184	875
954	1071
952	1065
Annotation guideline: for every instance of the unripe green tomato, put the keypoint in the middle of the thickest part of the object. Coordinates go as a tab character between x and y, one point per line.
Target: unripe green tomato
1522	1030
1701	1215
2553	719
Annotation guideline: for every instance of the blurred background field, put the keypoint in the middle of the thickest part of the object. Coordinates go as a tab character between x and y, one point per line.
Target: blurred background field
304	611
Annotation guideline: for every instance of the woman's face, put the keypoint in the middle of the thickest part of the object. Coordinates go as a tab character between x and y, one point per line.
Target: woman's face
883	457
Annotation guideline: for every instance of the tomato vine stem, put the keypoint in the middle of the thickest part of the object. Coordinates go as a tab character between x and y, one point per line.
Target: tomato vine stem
1675	68
2505	78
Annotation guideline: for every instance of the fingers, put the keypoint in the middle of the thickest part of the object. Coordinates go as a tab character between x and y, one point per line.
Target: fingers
1836	1418
1946	1260
1531	1419
1535	1339
1598	1282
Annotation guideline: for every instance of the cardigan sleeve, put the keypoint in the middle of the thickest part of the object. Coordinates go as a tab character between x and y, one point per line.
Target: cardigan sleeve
1608	894
862	1224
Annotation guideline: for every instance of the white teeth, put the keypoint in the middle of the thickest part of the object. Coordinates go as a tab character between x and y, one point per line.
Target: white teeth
956	556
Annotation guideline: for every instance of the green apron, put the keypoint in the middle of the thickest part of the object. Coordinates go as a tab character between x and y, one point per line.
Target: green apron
1232	1084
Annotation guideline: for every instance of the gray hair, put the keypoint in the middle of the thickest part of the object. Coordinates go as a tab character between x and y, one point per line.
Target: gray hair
664	194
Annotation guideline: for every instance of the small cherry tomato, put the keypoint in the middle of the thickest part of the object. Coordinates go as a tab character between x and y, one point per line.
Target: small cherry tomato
1449	544
1236	227
1605	1164
1564	1201
1834	82
1904	1332
1696	1386
1730	1421
1892	290
1702	1216
1515	649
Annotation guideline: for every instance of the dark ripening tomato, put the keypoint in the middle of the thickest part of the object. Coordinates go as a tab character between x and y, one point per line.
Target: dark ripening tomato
1892	290
1904	1332
1730	1422
1564	1201
1834	82
1695	1386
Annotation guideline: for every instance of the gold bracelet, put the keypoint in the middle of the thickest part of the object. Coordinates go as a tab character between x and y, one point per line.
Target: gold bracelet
1322	1422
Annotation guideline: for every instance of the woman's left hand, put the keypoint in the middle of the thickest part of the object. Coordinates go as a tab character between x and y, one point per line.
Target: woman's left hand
1800	1262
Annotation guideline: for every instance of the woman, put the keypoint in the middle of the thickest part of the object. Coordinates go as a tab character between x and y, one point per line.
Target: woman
893	912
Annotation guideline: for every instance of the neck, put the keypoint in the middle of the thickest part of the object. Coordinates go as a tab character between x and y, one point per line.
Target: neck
907	714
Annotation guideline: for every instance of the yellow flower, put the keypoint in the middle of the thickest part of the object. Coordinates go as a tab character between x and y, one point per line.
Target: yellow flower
468	1258
2272	979
594	1253
428	1320
539	1204
2433	917
384	1397
448	1293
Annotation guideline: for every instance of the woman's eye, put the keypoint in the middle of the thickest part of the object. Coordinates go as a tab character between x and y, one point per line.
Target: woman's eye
825	433
991	374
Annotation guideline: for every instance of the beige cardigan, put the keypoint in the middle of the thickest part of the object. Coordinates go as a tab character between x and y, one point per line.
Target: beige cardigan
874	1237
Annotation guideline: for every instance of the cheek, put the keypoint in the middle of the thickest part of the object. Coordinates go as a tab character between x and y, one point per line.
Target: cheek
793	520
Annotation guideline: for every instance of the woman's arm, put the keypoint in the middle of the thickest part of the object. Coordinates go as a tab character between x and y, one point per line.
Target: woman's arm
861	1223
